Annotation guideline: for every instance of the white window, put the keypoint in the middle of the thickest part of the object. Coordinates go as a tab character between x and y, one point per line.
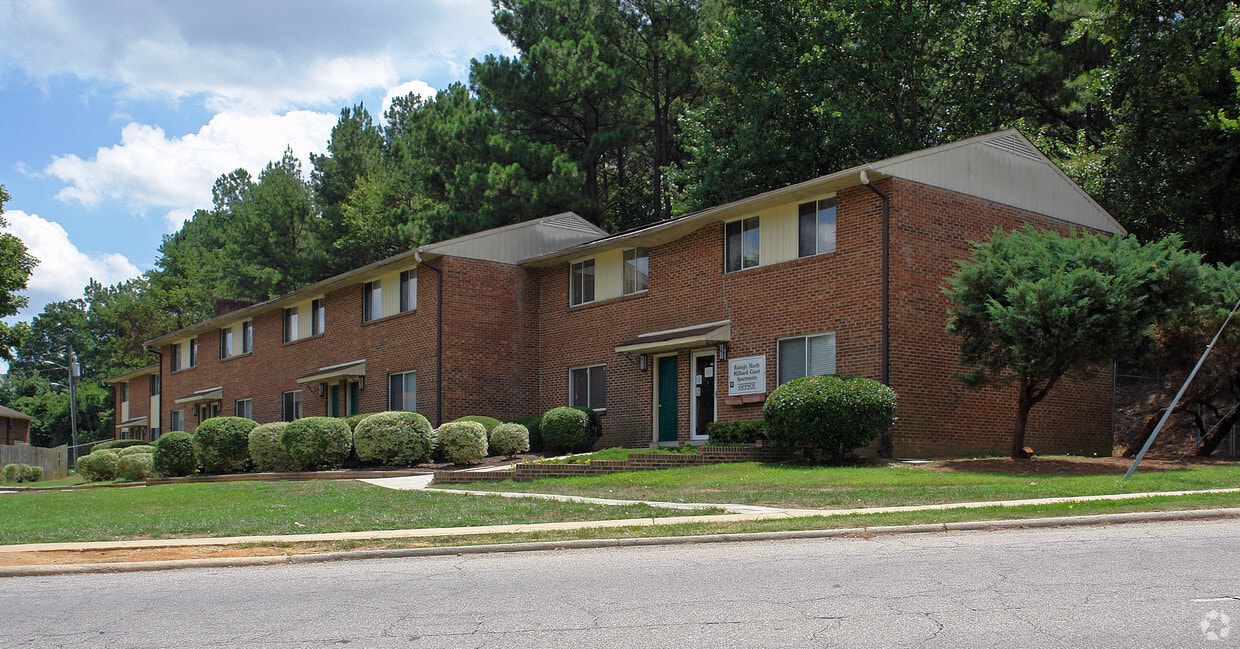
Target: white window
174	362
581	283
208	410
154	385
290	324
806	356
226	342
176	420
292	405
125	391
403	391
372	301
816	227
587	387
408	290
247	337
245	408
318	317
636	270
741	244
193	352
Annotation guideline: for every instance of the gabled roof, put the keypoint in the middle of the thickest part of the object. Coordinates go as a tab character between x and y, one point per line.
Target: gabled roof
1003	167
10	413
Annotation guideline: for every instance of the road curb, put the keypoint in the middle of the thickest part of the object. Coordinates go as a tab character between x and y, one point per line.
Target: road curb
542	546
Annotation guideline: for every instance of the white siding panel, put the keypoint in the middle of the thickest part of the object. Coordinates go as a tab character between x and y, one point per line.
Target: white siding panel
779	234
609	274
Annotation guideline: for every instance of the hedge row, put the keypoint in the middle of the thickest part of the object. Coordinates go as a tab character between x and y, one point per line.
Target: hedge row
21	473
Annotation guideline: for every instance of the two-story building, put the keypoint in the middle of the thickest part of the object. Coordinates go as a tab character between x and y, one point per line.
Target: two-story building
668	327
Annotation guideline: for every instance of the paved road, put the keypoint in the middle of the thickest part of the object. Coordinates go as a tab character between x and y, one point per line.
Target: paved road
1142	585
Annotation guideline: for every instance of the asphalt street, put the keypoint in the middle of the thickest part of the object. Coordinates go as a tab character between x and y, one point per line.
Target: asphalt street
1138	585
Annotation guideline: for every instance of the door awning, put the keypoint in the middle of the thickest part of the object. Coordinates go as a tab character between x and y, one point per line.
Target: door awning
136	422
338	372
685	337
203	396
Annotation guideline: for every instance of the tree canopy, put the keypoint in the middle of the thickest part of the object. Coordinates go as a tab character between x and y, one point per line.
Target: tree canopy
16	264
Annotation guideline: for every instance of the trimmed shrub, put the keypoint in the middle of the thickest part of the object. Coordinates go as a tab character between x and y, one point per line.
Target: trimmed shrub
317	442
508	440
99	466
266	452
395	437
489	423
594	424
136	466
12	473
21	473
735	432
566	429
463	442
354	420
140	448
223	444
534	425
175	455
828	417
116	444
33	473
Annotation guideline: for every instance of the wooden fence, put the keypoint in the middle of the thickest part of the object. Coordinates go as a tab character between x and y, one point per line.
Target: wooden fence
53	460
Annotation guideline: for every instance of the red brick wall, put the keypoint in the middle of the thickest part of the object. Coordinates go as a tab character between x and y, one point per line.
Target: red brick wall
139	403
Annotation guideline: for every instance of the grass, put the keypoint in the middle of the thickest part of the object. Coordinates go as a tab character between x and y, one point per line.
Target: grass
811	487
253	508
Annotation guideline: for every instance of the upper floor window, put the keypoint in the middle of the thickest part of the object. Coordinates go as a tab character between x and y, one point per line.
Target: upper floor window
154	385
193	352
247	337
403	391
581	283
290	324
125	391
816	228
372	300
806	356
408	290
318	317
636	270
226	342
741	244
174	362
587	387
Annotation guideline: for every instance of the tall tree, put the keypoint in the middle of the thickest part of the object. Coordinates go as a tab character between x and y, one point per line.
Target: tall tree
16	264
354	156
270	248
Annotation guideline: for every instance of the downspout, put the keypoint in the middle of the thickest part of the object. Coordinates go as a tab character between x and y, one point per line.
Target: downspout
159	416
885	357
417	255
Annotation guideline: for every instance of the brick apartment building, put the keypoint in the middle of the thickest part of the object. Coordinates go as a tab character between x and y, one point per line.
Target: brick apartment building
663	329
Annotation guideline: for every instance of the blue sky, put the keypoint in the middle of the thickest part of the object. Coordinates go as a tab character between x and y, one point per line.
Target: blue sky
116	117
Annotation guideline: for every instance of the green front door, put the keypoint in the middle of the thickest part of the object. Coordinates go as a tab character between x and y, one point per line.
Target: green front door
668	416
333	400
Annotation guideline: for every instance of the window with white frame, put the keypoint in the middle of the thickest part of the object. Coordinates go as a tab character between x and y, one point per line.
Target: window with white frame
741	244
806	356
193	352
176	420
125	391
290	324
226	342
636	270
581	283
174	360
816	227
408	290
247	336
292	405
245	408
318	317
587	387
154	385
403	391
372	301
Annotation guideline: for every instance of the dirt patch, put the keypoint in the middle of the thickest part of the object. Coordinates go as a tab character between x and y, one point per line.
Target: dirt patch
1061	465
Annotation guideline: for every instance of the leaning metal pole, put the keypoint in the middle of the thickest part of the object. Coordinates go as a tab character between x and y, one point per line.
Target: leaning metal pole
1167	414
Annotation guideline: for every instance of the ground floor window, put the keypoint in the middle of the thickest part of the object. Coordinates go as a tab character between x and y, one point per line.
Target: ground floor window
245	408
587	387
176	420
403	391
292	405
806	356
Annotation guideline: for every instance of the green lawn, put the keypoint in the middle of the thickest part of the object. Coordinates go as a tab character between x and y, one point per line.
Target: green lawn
810	487
248	508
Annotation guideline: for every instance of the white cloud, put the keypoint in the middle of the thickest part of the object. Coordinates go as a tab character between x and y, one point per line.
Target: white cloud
63	269
417	87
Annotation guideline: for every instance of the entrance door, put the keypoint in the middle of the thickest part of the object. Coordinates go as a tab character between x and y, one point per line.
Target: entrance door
704	382
333	400
667	415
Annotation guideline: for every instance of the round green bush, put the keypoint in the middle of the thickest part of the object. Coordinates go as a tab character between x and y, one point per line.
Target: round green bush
33	473
463	442
489	423
266	452
828	417
116	444
223	444
99	466
12	473
175	455
317	442
508	440
566	430
139	448
135	467
354	420
534	425
396	437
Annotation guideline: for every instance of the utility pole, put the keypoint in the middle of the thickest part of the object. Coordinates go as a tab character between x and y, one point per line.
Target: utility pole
75	371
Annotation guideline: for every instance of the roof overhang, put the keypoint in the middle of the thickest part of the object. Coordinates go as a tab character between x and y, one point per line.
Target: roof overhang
341	372
203	396
136	422
703	335
129	376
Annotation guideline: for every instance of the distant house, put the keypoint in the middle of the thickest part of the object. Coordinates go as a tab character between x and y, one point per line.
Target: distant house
14	425
665	328
136	396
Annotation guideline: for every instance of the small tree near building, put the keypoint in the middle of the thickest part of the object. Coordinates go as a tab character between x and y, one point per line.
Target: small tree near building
1032	306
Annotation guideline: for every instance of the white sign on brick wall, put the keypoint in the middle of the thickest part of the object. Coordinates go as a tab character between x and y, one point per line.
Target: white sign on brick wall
746	376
